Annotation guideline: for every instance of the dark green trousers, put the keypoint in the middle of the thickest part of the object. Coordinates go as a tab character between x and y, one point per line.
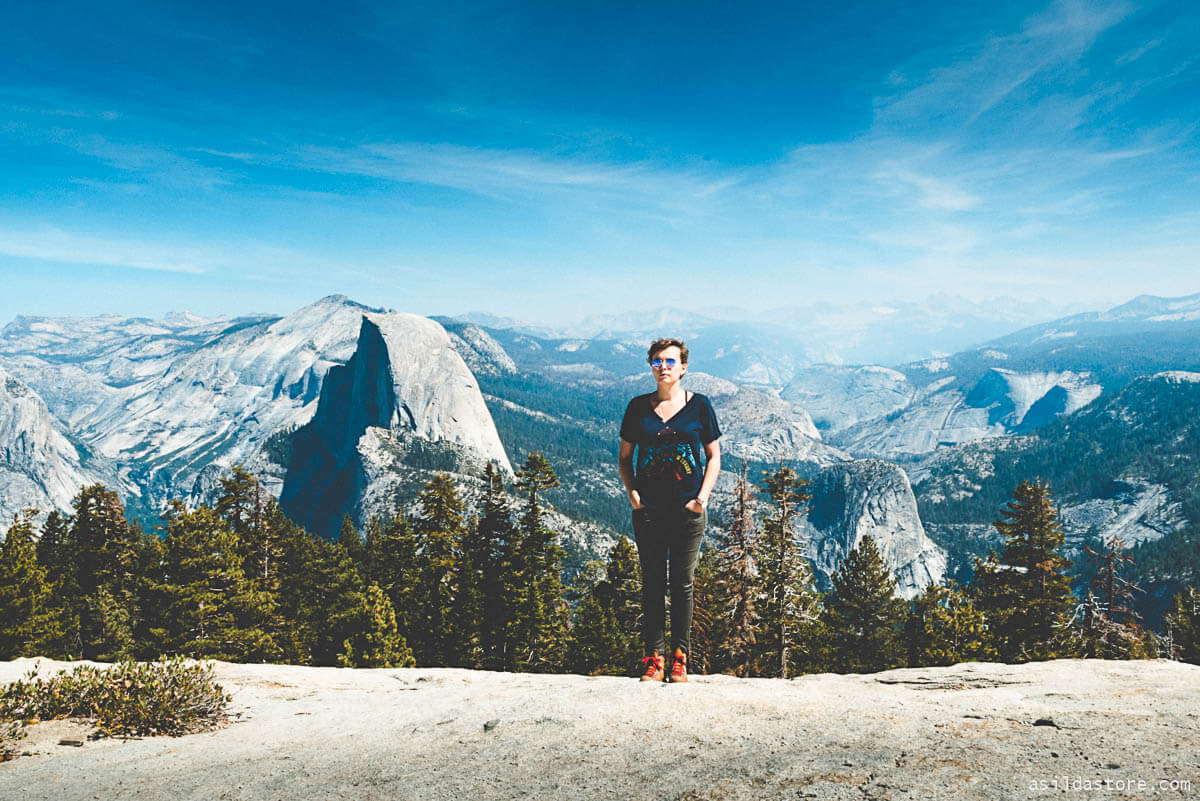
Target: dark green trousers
668	543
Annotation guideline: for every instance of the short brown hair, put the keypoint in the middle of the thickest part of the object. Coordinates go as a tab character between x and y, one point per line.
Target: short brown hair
663	344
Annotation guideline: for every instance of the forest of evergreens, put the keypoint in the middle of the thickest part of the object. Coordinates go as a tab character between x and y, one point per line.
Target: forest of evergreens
439	584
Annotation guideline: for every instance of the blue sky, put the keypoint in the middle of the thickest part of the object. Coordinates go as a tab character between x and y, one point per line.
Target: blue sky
549	160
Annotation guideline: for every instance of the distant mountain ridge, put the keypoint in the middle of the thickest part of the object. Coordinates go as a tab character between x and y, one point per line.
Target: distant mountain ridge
766	348
174	406
1009	385
340	407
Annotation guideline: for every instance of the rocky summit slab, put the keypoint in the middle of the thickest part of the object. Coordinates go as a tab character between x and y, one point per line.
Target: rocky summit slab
1083	728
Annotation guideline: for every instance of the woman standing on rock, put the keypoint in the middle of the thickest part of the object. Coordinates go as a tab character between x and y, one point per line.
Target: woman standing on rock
668	429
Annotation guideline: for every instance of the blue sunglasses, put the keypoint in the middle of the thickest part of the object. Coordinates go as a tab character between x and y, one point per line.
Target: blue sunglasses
668	363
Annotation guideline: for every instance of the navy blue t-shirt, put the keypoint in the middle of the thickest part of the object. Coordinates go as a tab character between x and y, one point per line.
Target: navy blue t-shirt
667	461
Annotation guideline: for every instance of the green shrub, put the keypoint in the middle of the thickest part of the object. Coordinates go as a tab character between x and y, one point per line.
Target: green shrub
171	696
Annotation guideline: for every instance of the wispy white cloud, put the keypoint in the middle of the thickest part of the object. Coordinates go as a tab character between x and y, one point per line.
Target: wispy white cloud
931	192
1138	52
159	164
958	94
44	101
518	174
255	260
55	245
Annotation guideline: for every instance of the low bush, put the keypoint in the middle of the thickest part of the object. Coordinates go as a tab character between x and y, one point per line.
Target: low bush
171	696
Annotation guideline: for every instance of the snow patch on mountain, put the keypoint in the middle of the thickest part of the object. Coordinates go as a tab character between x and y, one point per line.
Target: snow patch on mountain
1002	402
1177	377
1026	389
1055	334
838	397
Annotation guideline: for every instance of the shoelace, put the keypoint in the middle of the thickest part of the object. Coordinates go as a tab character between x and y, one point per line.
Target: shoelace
653	664
678	667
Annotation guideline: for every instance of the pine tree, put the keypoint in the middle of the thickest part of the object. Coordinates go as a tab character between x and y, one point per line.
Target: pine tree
606	640
105	554
1183	626
56	554
864	616
243	504
736	586
150	554
392	564
332	607
786	602
541	621
994	596
376	642
256	520
439	534
494	555
301	568
261	529
349	539
30	625
210	608
471	580
1110	626
1034	580
944	628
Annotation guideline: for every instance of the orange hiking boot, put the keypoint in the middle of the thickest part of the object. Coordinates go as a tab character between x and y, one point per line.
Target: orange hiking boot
654	668
679	666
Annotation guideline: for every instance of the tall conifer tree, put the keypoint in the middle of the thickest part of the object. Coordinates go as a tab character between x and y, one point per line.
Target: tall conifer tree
542	618
736	586
606	638
1032	577
994	596
1111	627
243	504
1183	626
864	617
498	543
787	602
349	539
262	531
333	607
105	556
30	624
210	609
439	533
301	567
56	554
392	564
